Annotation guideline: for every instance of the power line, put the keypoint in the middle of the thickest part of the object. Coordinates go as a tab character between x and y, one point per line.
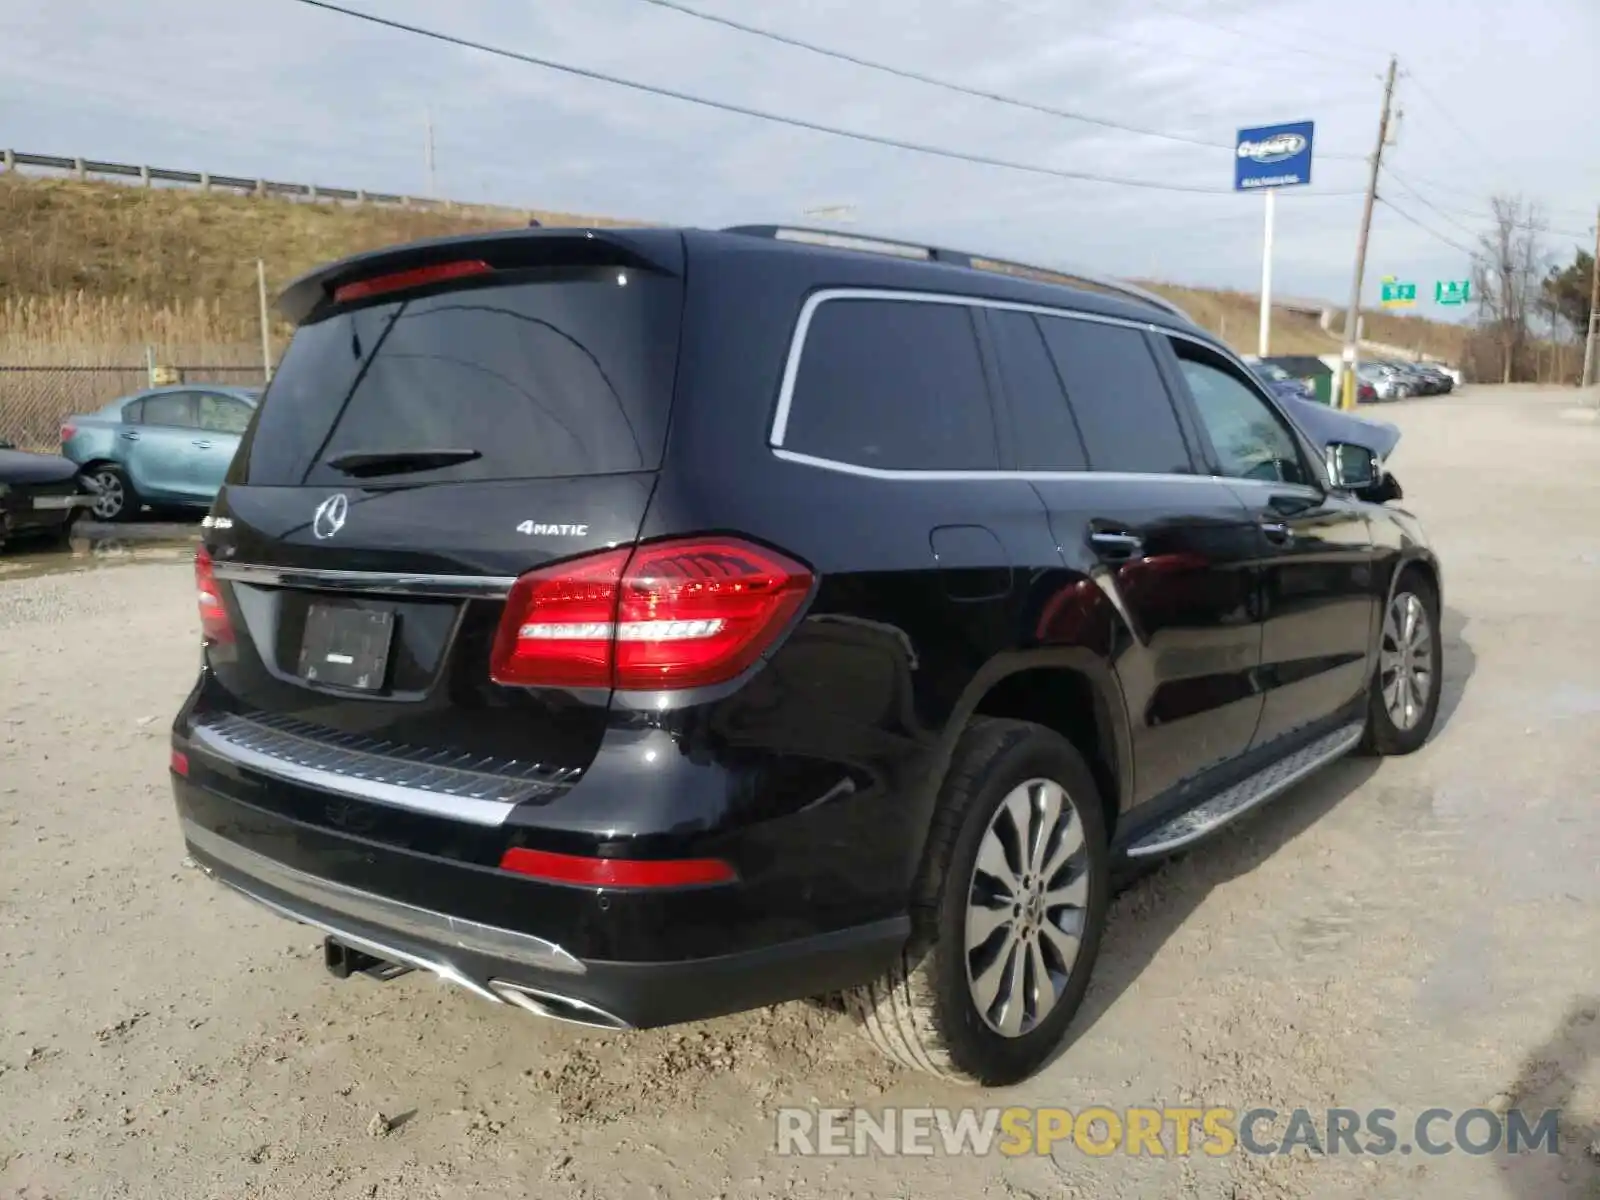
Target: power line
1411	187
965	90
1421	199
1460	131
932	81
1320	53
760	114
1429	230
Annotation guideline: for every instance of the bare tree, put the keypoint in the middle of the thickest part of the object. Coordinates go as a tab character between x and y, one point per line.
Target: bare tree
1507	275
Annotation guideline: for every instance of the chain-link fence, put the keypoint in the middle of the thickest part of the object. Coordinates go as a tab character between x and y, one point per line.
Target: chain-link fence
36	400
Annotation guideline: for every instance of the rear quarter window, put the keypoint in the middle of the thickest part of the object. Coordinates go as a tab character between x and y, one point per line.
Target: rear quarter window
893	384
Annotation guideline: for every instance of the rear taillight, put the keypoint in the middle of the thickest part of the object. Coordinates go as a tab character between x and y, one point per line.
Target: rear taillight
68	432
214	623
675	614
399	281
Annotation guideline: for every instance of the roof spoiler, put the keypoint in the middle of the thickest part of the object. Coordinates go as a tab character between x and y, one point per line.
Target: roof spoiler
312	293
959	258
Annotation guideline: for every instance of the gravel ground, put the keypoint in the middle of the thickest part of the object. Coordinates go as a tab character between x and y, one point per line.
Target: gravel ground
1407	934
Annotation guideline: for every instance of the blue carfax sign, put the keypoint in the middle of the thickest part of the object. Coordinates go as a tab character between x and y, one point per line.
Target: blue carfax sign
1272	156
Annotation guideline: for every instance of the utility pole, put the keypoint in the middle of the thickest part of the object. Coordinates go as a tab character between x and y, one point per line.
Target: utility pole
266	326
1352	314
1589	347
427	150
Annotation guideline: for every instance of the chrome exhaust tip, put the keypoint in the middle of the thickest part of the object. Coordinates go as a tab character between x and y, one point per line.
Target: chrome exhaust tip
556	1008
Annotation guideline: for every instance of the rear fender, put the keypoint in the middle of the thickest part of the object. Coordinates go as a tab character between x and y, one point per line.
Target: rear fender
1111	719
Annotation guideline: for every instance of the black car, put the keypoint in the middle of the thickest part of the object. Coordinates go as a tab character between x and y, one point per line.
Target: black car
635	626
41	496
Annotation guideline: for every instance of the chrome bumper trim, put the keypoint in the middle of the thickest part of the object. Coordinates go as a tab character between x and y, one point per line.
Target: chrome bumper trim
475	810
480	587
406	920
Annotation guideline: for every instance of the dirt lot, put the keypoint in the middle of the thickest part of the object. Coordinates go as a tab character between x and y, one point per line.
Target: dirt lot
1417	933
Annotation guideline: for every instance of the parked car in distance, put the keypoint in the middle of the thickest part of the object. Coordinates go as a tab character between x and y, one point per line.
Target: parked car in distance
41	495
1422	380
1387	383
732	617
165	447
1440	380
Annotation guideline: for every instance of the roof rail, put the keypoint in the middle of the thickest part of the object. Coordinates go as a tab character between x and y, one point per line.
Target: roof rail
959	258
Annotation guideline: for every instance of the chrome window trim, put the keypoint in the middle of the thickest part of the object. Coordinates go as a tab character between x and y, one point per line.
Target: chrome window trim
915	475
791	374
481	587
791	366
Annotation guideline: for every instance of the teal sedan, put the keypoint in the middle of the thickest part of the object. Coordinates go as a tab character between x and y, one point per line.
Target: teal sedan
168	447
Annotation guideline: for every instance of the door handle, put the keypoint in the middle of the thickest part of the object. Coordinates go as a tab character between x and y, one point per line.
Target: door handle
202	443
129	435
1277	531
1116	545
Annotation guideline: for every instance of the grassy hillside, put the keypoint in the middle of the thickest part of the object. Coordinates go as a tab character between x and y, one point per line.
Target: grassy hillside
94	272
85	264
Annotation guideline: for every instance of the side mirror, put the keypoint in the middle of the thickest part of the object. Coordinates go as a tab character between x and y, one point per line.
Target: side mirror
1352	468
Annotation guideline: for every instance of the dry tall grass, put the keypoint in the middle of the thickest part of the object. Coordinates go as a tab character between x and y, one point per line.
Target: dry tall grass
80	329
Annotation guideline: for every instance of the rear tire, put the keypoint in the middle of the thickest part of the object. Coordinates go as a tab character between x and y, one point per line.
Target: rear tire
117	501
1403	700
1003	941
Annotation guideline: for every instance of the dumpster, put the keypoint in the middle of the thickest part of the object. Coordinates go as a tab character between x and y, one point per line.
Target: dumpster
1312	371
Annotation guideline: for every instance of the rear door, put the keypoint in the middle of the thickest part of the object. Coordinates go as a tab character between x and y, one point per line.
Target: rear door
1096	431
420	447
159	452
1315	546
221	420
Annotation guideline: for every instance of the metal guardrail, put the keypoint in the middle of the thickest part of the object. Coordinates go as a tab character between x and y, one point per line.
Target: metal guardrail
83	168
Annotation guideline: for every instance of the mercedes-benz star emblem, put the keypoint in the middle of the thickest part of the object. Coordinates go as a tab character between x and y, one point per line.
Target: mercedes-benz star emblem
330	515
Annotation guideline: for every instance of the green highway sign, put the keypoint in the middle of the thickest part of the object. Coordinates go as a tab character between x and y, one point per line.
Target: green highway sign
1397	294
1452	291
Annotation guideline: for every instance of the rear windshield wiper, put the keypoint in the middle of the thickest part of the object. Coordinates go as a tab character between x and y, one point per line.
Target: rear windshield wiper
366	463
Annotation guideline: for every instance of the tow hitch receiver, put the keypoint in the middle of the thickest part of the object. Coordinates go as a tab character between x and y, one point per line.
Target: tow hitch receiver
343	961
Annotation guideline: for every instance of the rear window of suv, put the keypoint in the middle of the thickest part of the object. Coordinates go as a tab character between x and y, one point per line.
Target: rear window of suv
552	373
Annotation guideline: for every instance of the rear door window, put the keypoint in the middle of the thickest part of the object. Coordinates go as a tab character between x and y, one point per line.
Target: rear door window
173	409
555	372
222	414
894	384
1118	397
1045	435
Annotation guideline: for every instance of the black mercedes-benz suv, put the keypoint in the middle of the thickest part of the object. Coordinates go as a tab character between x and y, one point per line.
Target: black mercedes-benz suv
637	626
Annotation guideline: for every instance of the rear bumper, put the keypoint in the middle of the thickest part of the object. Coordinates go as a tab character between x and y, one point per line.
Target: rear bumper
500	963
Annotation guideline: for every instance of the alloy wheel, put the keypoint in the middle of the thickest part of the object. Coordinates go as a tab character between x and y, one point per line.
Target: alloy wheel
1027	904
1405	660
111	497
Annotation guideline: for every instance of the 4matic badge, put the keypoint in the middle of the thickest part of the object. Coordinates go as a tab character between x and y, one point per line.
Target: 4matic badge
539	529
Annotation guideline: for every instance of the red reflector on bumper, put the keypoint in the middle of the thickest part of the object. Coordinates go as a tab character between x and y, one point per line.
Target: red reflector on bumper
180	763
616	872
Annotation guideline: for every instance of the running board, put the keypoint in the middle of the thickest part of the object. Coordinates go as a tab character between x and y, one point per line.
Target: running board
1213	814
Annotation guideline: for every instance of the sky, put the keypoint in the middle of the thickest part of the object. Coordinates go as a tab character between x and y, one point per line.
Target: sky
1496	99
